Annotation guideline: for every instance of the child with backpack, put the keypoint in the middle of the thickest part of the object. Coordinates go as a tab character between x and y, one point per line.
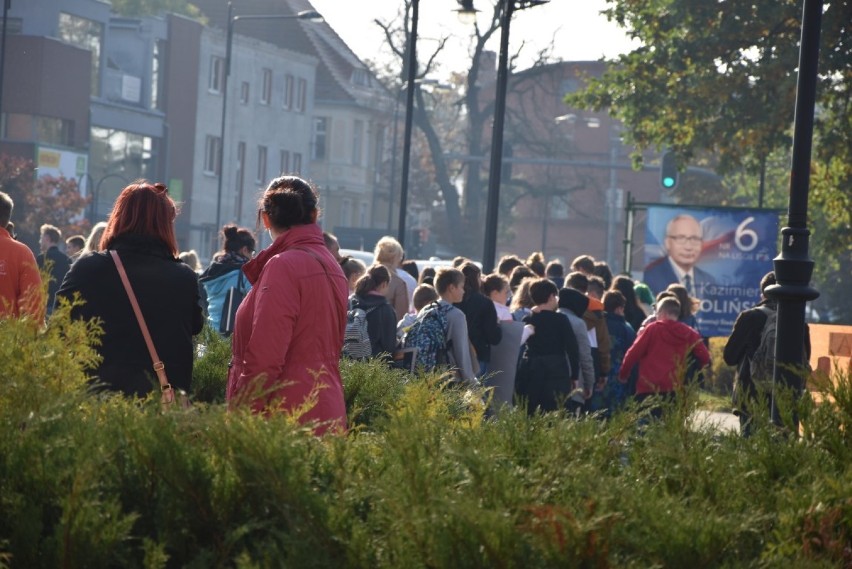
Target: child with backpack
371	320
440	331
751	348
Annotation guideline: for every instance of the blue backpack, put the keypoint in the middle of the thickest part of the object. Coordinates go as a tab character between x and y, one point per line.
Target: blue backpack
429	335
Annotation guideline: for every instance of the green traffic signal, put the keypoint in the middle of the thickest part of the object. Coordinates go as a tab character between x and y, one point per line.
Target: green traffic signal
668	170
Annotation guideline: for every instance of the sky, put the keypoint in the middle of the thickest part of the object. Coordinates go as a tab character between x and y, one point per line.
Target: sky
579	30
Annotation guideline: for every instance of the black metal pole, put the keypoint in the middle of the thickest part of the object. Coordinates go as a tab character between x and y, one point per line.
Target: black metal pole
409	117
793	266
492	209
228	45
6	5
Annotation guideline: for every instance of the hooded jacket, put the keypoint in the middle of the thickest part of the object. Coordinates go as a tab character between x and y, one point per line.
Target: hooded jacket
20	281
482	328
381	322
660	352
289	330
573	304
222	275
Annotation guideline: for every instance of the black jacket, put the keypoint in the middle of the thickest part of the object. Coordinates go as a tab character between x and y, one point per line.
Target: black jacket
60	263
483	329
550	363
167	291
744	339
381	322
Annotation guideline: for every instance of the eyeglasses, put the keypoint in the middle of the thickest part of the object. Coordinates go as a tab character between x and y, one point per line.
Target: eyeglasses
682	239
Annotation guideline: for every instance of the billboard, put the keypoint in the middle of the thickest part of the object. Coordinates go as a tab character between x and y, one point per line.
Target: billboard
719	254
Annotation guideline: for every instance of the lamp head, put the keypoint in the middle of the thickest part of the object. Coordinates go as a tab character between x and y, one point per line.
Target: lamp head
310	15
466	12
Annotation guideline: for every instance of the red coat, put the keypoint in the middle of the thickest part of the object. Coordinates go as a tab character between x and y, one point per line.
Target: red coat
661	350
289	329
20	281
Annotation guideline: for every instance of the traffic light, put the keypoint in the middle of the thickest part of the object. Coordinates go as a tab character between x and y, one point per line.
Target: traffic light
668	170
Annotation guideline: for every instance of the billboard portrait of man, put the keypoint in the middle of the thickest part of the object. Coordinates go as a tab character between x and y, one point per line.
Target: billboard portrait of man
683	244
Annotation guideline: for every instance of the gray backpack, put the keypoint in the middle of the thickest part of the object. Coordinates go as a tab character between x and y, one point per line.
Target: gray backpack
762	362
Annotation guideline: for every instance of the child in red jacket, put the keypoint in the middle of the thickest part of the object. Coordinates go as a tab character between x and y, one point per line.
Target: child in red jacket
661	351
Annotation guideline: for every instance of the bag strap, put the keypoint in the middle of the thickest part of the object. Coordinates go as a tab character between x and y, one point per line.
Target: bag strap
159	366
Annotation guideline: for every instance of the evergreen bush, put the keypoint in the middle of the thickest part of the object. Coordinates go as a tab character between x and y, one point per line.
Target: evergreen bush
423	478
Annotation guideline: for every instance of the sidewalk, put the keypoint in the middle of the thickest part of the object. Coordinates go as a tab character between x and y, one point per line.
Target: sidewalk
723	422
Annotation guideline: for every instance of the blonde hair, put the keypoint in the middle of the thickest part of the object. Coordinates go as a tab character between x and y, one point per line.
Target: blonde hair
191	258
388	251
522	297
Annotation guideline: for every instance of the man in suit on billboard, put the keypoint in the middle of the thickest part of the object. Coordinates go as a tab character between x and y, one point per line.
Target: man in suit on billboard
683	243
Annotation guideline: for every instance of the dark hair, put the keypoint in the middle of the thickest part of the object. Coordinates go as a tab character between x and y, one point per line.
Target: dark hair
424	295
289	201
585	263
77	241
596	284
519	273
427	275
494	282
603	271
6	207
472	277
376	276
767	280
507	264
329	239
351	266
625	286
612	300
459	261
578	281
536	263
142	208
410	267
446	276
541	289
683	298
554	269
235	238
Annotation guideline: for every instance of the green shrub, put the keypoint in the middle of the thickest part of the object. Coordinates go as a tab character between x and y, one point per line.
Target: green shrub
422	479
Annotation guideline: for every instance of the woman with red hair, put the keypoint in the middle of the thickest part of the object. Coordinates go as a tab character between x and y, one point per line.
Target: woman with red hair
140	229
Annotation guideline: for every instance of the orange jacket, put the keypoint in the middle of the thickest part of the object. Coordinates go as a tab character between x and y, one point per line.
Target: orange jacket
20	281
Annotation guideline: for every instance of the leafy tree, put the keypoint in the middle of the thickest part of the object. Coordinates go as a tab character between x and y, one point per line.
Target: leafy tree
44	200
135	8
716	83
468	133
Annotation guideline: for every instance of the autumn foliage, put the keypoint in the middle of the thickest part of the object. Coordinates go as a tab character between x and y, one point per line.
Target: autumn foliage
48	199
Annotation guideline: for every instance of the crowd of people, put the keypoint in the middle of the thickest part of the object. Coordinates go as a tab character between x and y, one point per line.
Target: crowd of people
589	340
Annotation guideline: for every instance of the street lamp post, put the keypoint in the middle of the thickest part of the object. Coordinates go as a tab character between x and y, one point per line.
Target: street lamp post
6	6
793	267
310	15
492	209
409	117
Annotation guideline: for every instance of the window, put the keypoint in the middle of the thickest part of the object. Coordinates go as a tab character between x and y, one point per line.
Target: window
357	142
216	79
86	34
361	77
320	131
241	168
266	87
212	145
297	163
345	212
285	162
288	92
261	164
244	92
559	207
362	215
302	96
157	69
